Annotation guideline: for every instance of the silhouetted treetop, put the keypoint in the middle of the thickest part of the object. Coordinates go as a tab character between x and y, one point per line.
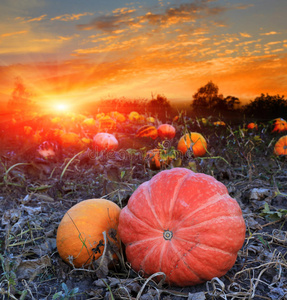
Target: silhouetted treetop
267	107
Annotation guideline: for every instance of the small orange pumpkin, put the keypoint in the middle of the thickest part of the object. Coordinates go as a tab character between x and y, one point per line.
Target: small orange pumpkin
166	131
252	126
154	160
147	131
279	125
106	123
80	237
118	116
133	116
280	147
219	123
105	141
89	122
69	139
194	141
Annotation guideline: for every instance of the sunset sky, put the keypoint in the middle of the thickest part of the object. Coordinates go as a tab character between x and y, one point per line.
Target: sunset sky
86	50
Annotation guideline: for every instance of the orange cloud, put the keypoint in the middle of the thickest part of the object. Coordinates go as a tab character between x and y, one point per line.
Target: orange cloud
35	19
270	33
244	34
71	17
14	33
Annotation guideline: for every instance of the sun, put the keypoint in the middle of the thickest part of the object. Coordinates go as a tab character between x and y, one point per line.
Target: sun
61	107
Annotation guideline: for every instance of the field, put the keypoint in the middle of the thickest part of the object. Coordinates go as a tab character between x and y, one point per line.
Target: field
37	189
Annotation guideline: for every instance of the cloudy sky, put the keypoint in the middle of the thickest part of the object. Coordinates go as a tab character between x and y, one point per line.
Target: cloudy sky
78	50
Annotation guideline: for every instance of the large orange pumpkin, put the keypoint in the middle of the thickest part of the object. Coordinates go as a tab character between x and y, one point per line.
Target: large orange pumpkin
80	238
280	147
166	131
184	224
105	141
147	131
194	141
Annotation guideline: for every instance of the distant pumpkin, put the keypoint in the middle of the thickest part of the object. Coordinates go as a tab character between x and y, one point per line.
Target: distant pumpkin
155	161
193	141
166	131
134	116
89	122
219	123
279	125
105	141
252	126
106	123
69	139
47	150
147	131
119	117
280	147
150	119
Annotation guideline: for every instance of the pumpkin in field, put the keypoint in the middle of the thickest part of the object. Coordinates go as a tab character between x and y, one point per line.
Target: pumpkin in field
280	147
118	116
106	123
105	141
155	158
150	119
219	123
100	115
133	116
69	139
184	224
166	131
89	122
80	238
47	150
147	131
252	126
194	141
279	125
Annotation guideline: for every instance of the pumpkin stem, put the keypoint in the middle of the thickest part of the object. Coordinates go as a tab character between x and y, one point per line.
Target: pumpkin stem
167	235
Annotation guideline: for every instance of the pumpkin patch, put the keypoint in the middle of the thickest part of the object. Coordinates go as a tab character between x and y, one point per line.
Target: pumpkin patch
184	224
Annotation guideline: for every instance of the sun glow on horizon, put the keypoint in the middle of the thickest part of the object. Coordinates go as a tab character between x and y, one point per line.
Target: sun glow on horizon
61	107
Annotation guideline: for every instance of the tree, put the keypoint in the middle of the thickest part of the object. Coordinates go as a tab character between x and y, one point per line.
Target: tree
208	101
21	97
266	107
232	102
159	105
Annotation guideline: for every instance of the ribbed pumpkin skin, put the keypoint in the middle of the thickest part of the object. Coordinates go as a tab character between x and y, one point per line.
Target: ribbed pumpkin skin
84	224
207	227
105	141
280	147
192	140
147	131
166	131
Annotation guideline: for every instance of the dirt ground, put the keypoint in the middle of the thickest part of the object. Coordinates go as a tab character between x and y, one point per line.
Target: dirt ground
35	193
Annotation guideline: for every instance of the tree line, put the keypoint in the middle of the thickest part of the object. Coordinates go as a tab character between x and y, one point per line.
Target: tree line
207	101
